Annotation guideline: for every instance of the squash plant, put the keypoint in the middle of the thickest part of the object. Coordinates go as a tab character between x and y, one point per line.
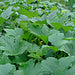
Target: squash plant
36	38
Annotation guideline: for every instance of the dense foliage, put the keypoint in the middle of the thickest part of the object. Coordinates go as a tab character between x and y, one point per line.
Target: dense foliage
36	38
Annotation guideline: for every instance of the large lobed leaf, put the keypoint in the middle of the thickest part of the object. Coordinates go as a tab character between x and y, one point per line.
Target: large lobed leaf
7	69
12	43
63	66
29	68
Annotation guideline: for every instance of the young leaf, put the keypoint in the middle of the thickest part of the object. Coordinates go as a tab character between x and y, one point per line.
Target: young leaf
29	1
29	14
58	26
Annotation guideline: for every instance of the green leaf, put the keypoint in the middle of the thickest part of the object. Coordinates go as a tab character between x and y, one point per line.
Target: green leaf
2	20
50	47
51	16
32	47
43	31
13	46
70	48
63	66
40	23
57	39
20	58
17	32
6	14
4	59
54	8
44	38
64	18
19	72
29	68
29	1
58	26
23	25
12	43
54	48
73	22
7	69
29	14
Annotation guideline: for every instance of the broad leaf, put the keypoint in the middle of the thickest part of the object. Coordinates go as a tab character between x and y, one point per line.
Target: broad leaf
58	26
29	14
13	46
57	39
6	14
12	43
16	33
51	16
4	59
2	20
63	66
29	1
43	31
70	48
29	68
7	69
